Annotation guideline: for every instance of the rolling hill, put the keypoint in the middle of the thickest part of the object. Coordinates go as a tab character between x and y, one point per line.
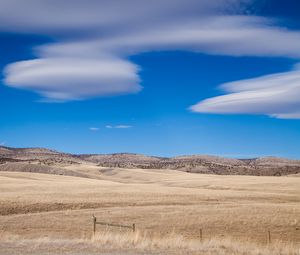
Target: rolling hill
49	161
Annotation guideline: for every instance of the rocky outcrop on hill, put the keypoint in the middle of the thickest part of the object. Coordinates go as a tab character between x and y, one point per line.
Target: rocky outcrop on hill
269	166
39	155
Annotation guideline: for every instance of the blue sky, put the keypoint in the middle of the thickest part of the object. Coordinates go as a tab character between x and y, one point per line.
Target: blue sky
200	78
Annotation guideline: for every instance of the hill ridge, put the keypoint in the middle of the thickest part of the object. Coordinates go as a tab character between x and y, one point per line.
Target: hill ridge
208	164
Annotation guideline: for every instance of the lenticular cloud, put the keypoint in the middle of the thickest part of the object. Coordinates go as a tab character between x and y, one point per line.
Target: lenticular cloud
63	79
276	95
94	40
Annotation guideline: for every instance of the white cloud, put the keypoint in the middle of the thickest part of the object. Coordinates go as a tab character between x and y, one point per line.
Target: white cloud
68	79
123	126
276	95
2	143
94	129
119	126
94	40
59	18
225	35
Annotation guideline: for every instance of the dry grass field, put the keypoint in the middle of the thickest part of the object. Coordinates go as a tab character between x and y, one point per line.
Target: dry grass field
52	214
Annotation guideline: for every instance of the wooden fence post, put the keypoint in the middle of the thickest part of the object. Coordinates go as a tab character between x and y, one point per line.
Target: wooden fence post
269	236
94	222
200	235
133	227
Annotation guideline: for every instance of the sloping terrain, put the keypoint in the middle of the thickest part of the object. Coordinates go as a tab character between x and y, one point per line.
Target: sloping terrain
267	166
37	202
120	159
41	155
57	161
38	168
43	213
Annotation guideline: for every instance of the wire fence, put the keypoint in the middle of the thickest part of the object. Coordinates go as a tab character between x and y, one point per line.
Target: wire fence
269	235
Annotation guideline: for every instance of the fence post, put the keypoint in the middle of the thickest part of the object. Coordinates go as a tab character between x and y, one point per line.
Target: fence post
200	235
269	236
94	222
133	227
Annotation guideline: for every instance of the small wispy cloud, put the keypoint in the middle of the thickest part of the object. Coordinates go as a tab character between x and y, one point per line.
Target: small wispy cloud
119	126
93	129
2	143
123	126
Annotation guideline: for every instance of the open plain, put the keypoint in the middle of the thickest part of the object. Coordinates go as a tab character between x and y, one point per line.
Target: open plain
41	212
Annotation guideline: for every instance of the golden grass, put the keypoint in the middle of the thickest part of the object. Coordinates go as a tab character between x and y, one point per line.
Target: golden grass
140	243
177	244
166	205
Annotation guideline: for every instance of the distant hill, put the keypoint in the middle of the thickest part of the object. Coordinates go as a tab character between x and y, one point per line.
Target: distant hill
266	166
41	155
